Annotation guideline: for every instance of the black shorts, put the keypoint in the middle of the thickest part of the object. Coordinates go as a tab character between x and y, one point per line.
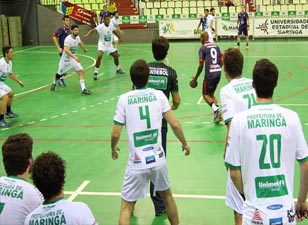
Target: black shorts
242	30
210	85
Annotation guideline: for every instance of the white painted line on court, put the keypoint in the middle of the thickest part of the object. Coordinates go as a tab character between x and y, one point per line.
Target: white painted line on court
200	100
306	124
74	111
83	108
189	122
43	119
32	122
294	104
79	190
54	117
26	49
206	122
64	114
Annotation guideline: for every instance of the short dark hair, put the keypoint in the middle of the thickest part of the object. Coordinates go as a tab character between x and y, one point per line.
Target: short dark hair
233	62
74	26
160	47
139	73
265	77
65	17
206	10
48	174
6	50
212	9
16	152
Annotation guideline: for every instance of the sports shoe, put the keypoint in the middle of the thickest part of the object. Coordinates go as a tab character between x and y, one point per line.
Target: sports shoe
61	82
86	92
95	76
119	71
217	116
160	213
247	47
3	123
11	115
53	86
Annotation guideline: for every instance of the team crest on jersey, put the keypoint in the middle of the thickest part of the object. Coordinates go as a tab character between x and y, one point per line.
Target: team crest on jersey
257	219
137	158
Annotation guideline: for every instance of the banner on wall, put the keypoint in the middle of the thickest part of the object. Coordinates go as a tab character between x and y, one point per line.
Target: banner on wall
179	28
267	27
77	13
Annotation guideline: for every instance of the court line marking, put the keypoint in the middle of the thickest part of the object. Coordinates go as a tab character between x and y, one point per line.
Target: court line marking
216	197
79	190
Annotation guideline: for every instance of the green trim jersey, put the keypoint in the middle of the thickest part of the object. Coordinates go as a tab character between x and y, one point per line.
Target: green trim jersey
72	43
264	143
141	111
238	95
5	69
18	198
61	212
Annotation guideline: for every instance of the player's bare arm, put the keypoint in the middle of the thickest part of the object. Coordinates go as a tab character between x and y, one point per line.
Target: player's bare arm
199	70
115	137
90	32
82	45
301	205
69	53
176	100
15	78
236	176
56	42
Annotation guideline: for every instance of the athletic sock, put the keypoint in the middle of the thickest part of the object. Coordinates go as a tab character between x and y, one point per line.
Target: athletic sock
82	84
214	107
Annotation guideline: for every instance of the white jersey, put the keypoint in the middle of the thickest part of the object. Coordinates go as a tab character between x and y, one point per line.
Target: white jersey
141	111
238	95
264	143
210	18
18	198
72	43
5	69
105	34
115	22
61	212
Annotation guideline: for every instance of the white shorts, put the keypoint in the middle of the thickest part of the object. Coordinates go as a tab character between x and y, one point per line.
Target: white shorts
4	89
107	49
211	36
68	64
136	182
233	198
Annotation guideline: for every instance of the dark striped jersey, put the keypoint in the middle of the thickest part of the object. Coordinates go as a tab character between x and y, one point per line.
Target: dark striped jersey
163	77
211	55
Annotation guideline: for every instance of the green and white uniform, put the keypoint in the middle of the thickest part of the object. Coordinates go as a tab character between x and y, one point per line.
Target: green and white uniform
18	198
61	212
238	95
5	71
67	62
141	111
264	143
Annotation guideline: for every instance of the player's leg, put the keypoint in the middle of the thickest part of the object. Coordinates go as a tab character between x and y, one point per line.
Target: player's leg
63	68
209	87
245	31
9	113
4	101
116	60
100	54
76	66
239	36
126	211
237	218
172	211
115	41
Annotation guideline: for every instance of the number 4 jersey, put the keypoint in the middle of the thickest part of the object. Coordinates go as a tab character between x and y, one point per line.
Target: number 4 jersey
264	143
141	111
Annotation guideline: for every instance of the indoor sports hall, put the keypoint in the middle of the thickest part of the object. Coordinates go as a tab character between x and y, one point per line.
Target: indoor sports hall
78	127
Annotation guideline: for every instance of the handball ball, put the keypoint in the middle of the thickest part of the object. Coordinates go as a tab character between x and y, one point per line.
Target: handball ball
193	85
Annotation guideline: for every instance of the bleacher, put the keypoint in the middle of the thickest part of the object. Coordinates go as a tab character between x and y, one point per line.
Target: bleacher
170	7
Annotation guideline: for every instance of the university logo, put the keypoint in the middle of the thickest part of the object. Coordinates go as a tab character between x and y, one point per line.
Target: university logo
263	27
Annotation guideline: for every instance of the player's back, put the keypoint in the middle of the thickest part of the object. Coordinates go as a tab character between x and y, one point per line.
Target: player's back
211	54
271	140
162	77
238	95
141	111
62	212
18	198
